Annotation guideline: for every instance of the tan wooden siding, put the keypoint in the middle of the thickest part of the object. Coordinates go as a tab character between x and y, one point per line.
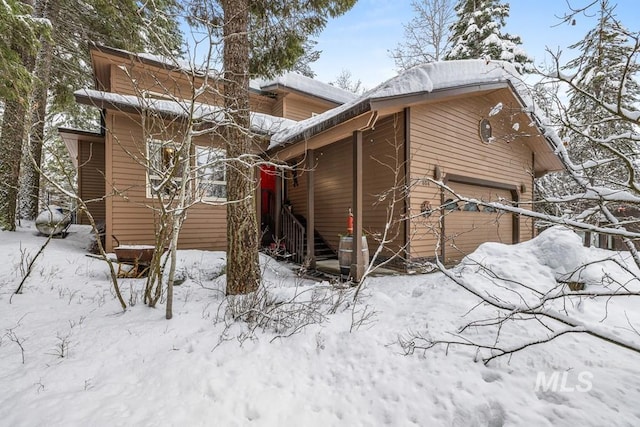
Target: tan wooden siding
333	183
446	134
296	187
139	78
278	106
91	169
467	228
300	107
131	220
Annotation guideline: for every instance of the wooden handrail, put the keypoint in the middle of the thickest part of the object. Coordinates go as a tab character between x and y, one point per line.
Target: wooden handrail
293	233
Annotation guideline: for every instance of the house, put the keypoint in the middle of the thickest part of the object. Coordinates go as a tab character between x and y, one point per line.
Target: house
431	133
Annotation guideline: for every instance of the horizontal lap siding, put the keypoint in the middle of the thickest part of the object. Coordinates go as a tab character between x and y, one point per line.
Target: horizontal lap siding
446	134
333	190
132	220
383	157
333	183
296	192
297	107
91	169
140	78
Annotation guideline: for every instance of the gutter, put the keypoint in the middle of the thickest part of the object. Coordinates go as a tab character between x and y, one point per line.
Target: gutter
125	107
373	104
351	113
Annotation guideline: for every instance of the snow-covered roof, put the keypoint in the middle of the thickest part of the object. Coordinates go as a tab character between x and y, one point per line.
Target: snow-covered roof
293	81
422	79
309	86
260	122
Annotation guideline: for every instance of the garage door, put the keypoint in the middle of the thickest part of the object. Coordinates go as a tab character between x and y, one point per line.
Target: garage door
467	225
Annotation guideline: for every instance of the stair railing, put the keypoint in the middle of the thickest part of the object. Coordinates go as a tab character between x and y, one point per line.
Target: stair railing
293	234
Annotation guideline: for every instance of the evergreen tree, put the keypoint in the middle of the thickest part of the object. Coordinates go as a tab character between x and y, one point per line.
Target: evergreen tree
478	34
62	63
19	34
604	79
18	44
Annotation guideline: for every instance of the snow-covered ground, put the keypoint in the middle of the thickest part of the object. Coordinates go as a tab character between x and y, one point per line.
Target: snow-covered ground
88	363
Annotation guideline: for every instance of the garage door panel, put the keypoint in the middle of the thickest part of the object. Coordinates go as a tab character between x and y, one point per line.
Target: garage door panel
469	226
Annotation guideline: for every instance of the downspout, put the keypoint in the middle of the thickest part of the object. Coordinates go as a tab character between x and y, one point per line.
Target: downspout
371	123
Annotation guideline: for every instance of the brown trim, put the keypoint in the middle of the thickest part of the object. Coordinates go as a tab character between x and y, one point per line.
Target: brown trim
311	221
278	207
85	134
515	231
357	263
407	183
442	227
131	56
331	136
108	166
462	179
533	193
344	116
515	196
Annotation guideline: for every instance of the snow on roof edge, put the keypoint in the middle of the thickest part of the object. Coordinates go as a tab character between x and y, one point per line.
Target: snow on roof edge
260	122
309	86
426	78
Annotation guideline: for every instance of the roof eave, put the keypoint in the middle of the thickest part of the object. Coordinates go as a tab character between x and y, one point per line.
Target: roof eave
378	104
131	56
407	100
356	110
284	88
124	107
541	128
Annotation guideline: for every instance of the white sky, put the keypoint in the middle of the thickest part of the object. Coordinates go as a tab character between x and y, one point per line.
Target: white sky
360	40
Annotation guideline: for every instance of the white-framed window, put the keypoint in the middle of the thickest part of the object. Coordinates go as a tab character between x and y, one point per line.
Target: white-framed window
211	173
165	167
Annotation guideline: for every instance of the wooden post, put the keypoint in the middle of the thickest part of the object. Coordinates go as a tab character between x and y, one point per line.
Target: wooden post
277	214
357	261
407	183
311	223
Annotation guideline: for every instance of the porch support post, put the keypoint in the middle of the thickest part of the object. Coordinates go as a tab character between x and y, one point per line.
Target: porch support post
357	261
277	214
311	222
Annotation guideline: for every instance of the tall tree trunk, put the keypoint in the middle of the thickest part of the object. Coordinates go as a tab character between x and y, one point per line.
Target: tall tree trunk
243	269
12	137
32	154
11	142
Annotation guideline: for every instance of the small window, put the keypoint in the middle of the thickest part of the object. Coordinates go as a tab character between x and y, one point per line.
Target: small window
450	205
484	128
489	209
211	173
165	166
471	207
